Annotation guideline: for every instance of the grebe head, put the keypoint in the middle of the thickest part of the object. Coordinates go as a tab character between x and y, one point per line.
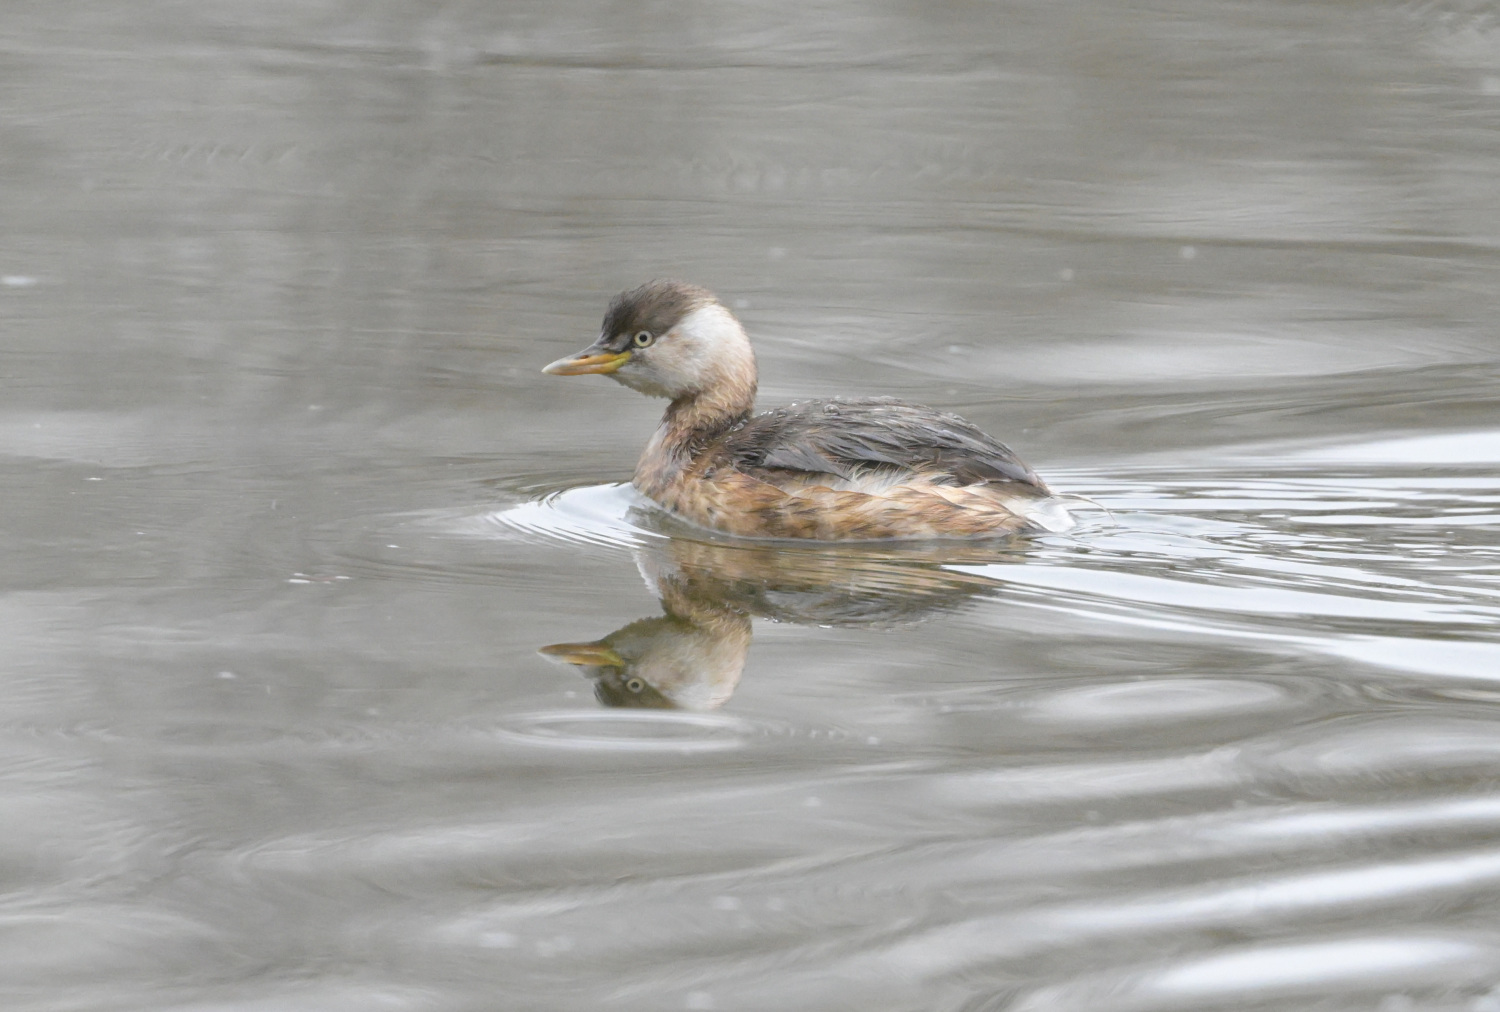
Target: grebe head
667	339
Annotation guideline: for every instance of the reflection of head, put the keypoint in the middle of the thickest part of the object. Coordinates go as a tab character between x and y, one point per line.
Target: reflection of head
669	661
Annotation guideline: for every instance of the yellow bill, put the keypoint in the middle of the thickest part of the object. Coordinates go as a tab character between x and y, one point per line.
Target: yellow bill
584	363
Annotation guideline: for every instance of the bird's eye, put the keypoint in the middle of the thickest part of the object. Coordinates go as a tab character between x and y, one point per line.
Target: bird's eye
635	684
643	339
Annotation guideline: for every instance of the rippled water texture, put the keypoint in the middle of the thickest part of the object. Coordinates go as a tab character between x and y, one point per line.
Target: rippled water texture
341	671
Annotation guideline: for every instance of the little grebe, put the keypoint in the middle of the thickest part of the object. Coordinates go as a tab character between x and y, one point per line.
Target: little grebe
831	470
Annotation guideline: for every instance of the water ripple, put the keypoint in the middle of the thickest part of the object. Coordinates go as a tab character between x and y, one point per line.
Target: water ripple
594	515
1344	966
627	731
1155	701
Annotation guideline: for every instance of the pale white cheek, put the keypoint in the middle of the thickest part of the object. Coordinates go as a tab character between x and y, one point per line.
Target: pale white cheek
680	356
643	380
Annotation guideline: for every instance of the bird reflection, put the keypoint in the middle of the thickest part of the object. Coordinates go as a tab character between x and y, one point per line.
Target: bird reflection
691	657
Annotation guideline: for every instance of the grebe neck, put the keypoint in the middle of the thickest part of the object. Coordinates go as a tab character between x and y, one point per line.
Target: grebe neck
690	423
709	413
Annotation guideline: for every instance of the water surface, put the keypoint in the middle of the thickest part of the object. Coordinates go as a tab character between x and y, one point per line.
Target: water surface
290	511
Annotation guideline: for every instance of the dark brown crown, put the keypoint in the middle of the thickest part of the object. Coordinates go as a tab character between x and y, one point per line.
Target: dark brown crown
654	307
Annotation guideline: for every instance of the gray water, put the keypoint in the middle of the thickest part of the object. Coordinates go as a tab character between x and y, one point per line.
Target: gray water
289	510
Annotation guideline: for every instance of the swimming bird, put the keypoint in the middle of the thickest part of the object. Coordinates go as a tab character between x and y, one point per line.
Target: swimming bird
831	470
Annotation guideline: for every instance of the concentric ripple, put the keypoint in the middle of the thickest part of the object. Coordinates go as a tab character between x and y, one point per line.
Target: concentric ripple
597	515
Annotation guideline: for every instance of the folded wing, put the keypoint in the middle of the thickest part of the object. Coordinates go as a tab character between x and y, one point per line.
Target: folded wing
882	440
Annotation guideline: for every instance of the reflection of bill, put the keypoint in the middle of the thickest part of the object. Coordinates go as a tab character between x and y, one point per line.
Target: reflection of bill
692	656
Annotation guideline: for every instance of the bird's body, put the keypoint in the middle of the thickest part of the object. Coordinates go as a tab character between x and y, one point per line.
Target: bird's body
830	470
